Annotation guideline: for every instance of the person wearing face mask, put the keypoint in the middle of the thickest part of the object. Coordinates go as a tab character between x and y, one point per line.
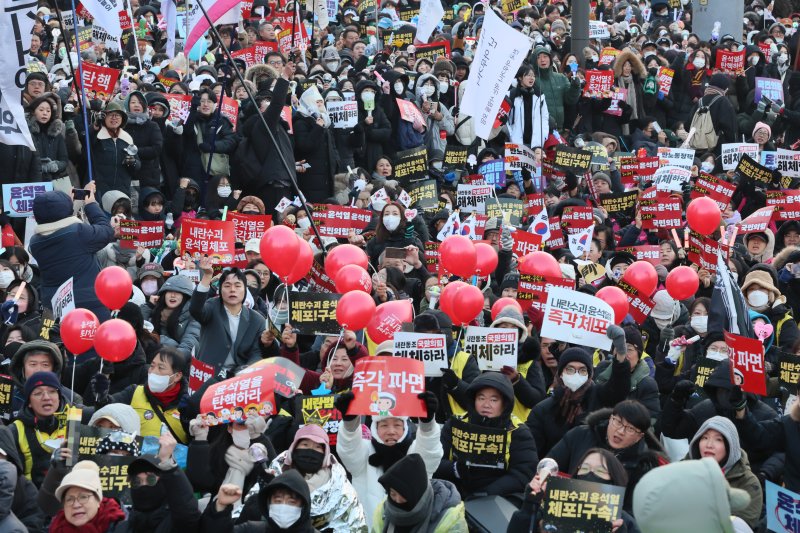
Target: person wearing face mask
405	135
220	195
147	137
788	282
153	206
681	360
391	232
439	121
334	503
763	297
667	314
314	143
26	315
692	72
345	139
598	466
528	120
170	315
373	125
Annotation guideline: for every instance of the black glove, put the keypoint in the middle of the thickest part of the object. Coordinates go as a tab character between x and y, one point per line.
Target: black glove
462	29
100	385
431	404
342	403
449	379
683	389
204	147
667	335
737	398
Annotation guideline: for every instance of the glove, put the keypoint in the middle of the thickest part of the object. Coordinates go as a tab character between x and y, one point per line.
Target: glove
683	389
785	275
674	354
506	241
667	335
737	398
9	312
198	429
100	385
617	336
762	106
342	404
431	405
510	373
51	167
129	161
69	125
204	147
449	379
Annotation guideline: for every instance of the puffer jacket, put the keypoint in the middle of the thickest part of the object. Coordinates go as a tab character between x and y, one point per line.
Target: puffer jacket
433	139
17	493
447	514
49	140
108	155
557	89
17	371
188	337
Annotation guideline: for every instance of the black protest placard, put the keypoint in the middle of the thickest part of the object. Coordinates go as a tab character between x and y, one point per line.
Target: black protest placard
456	156
749	169
623	203
314	313
478	446
6	395
319	411
411	165
574	505
572	159
425	195
114	475
703	370
789	365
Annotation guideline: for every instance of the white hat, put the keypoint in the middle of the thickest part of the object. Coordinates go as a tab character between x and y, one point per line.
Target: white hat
253	245
119	414
86	475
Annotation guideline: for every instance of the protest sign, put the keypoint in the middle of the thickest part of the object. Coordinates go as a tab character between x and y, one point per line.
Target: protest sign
648	165
525	242
179	106
63	300
747	363
782	509
664	213
135	233
705	367
215	238
456	156
89	438
749	169
733	152
590	272
786	204
432	51
114	475
669	178
575	505
319	411
199	373
598	30
98	81
509	210
768	88
532	290
730	61
623	203
608	55
769	159
703	251
646	252
230	110
339	220
598	82
472	198
411	165
576	218
573	159
556	238
478	446
676	157
388	386
757	221
431	349
665	77
577	318
425	195
248	55
409	111
510	6
343	114
287	40
400	40
788	163
789	366
248	227
493	172
639	304
519	157
314	313
318	280
617	95
18	197
534	204
715	188
493	348
431	254
6	395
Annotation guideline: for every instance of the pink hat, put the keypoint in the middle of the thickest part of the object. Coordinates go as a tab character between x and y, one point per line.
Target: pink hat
314	433
764	125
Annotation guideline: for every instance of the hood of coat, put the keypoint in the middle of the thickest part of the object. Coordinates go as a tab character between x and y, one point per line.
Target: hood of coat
111	197
418	84
496	381
39	345
293	481
257	73
728	431
636	64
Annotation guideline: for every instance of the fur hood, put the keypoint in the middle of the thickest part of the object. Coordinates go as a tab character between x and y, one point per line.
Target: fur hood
257	73
53	129
636	63
782	257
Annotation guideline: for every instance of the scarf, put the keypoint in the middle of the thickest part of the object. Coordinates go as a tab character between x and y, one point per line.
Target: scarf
713	90
138	118
626	82
570	404
108	512
240	464
386	456
318	478
51	227
168	396
415	521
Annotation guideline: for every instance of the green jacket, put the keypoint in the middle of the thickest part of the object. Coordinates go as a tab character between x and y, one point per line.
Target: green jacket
452	521
558	91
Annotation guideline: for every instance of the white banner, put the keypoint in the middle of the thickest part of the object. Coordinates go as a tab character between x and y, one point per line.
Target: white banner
493	348
343	114
598	30
63	300
788	163
676	157
671	178
732	153
577	318
16	19
106	14
472	198
170	12
429	348
500	52
320	10
430	13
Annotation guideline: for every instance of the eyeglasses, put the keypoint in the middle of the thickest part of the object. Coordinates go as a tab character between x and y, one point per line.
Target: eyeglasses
262	273
626	428
600	470
150	480
82	499
571	371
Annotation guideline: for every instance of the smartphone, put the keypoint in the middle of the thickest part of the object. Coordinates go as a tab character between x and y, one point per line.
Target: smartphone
395	253
80	194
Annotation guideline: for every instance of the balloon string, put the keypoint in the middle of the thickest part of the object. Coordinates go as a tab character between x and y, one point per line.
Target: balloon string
72	383
335	347
115	313
458	339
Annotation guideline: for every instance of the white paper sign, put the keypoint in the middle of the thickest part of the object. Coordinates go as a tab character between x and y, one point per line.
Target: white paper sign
18	197
732	153
577	318
428	348
343	114
676	157
671	178
430	13
472	198
63	300
493	348
598	30
788	163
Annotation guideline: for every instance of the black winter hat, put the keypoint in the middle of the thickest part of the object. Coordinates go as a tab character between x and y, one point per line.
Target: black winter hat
426	322
408	477
634	336
41	379
575	355
720	81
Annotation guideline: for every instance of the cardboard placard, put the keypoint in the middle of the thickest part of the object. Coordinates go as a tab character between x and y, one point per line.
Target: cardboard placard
519	157
493	172
509	209
18	197
715	188
574	505
525	242
782	509
747	363
98	81
343	114
733	152
215	238
639	305
425	195
705	367
432	51
135	233
623	203
199	373
770	88
388	386
63	300
409	111
532	290
472	198
787	162
730	61
646	252
676	157
577	318
576	218
431	349
789	365
319	411
114	476
757	221
314	313
493	348
179	106
598	82
478	446
665	77
6	395
338	220
456	156
786	204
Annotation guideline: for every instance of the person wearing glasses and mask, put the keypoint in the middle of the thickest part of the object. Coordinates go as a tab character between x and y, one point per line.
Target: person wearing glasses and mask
625	432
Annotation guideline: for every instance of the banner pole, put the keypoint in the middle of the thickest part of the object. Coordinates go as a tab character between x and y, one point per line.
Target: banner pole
84	100
135	40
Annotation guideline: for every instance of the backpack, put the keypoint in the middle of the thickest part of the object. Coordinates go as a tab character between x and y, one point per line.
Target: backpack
705	136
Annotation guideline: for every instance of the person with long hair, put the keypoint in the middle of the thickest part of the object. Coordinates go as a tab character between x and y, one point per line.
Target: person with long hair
170	315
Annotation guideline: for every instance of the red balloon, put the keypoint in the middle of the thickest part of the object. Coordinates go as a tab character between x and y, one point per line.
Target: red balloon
78	329
354	310
504	302
458	255
115	340
540	263
486	259
447	298
682	282
468	304
643	276
388	319
353	278
615	297
703	215
113	287
344	254
279	249
305	258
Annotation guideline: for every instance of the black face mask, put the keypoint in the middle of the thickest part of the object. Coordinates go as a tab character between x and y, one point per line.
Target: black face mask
307	461
147	498
594	478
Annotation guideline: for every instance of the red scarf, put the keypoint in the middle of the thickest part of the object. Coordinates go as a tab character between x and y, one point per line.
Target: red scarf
168	396
108	513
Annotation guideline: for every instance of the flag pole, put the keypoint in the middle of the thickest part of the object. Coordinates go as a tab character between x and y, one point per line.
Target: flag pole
84	100
135	40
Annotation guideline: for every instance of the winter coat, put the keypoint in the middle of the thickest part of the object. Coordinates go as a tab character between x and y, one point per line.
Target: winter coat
791	117
723	116
18	375
50	144
544	421
130	371
20	164
557	90
334	505
447	514
538	116
17	493
115	255
774	435
147	137
376	135
689	84
316	145
188	340
198	126
354	451
67	248
643	388
433	139
108	154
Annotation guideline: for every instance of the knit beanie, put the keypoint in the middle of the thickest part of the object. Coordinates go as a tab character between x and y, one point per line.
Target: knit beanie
51	206
720	81
313	433
760	125
634	336
41	379
86	475
575	355
408	477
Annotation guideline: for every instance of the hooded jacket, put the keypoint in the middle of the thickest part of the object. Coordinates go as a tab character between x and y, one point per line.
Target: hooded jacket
314	144
112	197
528	111
735	467
17	493
147	137
433	139
188	332
556	88
17	371
766	255
376	135
447	512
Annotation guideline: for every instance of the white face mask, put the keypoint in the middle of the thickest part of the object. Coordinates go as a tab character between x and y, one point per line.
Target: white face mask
758	299
392	222
224	191
699	324
428	90
706	166
149	287
699	62
6	277
717	355
284	515
157	383
574	382
303	223
783	58
399	87
754	60
662	323
241	438
443	87
367	96
332	65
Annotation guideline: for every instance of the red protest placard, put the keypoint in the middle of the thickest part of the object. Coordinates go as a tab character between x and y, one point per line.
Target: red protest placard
703	251
576	218
598	82
318	280
135	233
786	203
286	115
246	54
534	203
230	110
502	113
409	111
665	213
608	55
617	95
179	105
432	256
556	239
665	77
757	221
532	289
99	81
639	305
248	227
337	221
747	363
286	42
525	243
215	238
388	386
199	373
646	252
730	61
124	21
715	188
648	165
261	49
